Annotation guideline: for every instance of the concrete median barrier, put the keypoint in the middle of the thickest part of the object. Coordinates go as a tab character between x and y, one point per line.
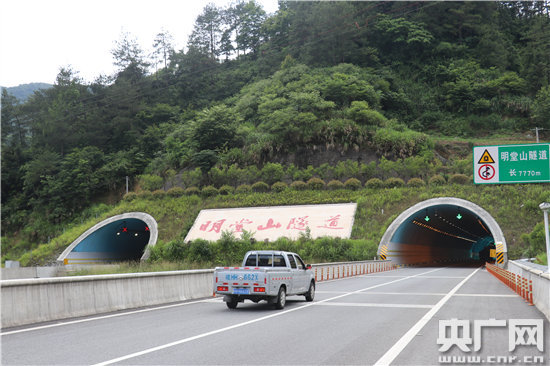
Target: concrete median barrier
44	299
541	284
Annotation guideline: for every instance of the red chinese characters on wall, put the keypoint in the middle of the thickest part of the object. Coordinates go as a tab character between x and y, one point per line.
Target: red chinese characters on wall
300	223
238	225
216	226
270	225
332	223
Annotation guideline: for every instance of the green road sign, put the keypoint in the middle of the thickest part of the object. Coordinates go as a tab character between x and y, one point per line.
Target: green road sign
512	164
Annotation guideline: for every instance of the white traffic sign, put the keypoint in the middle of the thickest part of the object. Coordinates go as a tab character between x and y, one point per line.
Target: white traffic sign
528	163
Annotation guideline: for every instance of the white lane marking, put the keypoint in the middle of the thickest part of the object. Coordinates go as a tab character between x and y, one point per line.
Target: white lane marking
387	293
400	345
418	294
109	316
486	295
375	305
375	276
406	293
239	325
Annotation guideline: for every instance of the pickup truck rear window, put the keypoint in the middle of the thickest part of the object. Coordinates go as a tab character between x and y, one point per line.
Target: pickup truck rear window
250	261
292	261
279	261
265	260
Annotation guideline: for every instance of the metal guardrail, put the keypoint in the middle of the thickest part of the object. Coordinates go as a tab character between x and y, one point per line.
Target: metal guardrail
521	285
334	271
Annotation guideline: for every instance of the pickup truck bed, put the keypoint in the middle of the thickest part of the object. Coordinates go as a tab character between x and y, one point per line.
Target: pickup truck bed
265	275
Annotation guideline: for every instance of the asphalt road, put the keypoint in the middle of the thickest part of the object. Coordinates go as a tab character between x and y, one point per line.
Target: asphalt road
394	317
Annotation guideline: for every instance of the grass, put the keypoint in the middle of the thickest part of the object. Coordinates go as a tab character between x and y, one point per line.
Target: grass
136	267
514	207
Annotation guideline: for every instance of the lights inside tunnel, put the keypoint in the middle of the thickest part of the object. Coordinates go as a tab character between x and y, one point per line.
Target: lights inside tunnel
441	233
124	230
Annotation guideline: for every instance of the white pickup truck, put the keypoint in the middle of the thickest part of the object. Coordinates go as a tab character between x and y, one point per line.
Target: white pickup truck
265	275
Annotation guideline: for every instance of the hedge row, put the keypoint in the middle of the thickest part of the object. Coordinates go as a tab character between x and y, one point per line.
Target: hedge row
230	250
311	184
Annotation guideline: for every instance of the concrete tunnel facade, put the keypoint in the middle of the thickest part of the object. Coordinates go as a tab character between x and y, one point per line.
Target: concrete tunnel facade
125	237
443	230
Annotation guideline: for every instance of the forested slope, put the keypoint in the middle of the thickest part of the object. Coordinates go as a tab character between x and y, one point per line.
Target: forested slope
328	90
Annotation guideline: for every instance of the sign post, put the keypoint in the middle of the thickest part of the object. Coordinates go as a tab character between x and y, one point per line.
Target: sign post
545	206
512	164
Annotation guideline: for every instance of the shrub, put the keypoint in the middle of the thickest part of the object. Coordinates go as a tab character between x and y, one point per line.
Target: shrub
299	185
416	182
226	190
159	193
335	184
130	196
260	187
243	188
150	182
316	183
353	184
374	183
437	180
192	191
272	172
144	194
394	182
459	179
209	191
175	192
279	186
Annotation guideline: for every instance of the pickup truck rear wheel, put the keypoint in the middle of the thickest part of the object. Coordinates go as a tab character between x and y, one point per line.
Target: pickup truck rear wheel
281	298
310	294
232	304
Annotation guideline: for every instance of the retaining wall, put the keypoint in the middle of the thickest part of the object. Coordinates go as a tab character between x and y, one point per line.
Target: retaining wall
541	284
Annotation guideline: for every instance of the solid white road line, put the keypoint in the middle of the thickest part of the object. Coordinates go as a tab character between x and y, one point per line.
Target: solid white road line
375	305
239	325
486	295
400	345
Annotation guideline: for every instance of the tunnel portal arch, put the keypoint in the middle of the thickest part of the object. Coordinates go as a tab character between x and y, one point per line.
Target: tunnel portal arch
119	238
442	230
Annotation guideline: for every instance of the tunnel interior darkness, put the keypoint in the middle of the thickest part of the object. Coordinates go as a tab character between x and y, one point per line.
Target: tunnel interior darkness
121	240
442	233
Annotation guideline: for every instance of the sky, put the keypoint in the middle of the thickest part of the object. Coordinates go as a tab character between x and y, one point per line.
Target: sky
38	37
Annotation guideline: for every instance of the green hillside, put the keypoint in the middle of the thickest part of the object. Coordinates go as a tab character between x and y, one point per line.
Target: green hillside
176	211
387	91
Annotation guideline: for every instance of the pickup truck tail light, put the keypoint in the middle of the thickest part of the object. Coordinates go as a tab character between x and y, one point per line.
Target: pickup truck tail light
259	289
223	288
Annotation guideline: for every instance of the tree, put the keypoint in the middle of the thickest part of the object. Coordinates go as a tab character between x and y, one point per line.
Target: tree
246	24
129	58
541	108
216	128
207	33
163	48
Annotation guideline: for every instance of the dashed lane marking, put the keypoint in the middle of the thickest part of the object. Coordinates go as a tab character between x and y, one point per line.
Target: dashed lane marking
400	345
239	325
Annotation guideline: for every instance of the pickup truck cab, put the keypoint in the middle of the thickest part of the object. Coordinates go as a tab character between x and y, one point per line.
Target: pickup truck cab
265	275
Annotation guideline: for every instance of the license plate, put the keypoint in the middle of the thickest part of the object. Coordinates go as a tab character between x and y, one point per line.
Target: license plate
241	291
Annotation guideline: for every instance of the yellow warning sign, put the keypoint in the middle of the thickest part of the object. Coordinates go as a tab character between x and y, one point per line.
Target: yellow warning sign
384	252
500	253
486	158
493	253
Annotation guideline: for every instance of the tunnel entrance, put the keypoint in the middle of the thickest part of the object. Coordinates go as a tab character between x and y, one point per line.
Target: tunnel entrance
120	238
443	231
